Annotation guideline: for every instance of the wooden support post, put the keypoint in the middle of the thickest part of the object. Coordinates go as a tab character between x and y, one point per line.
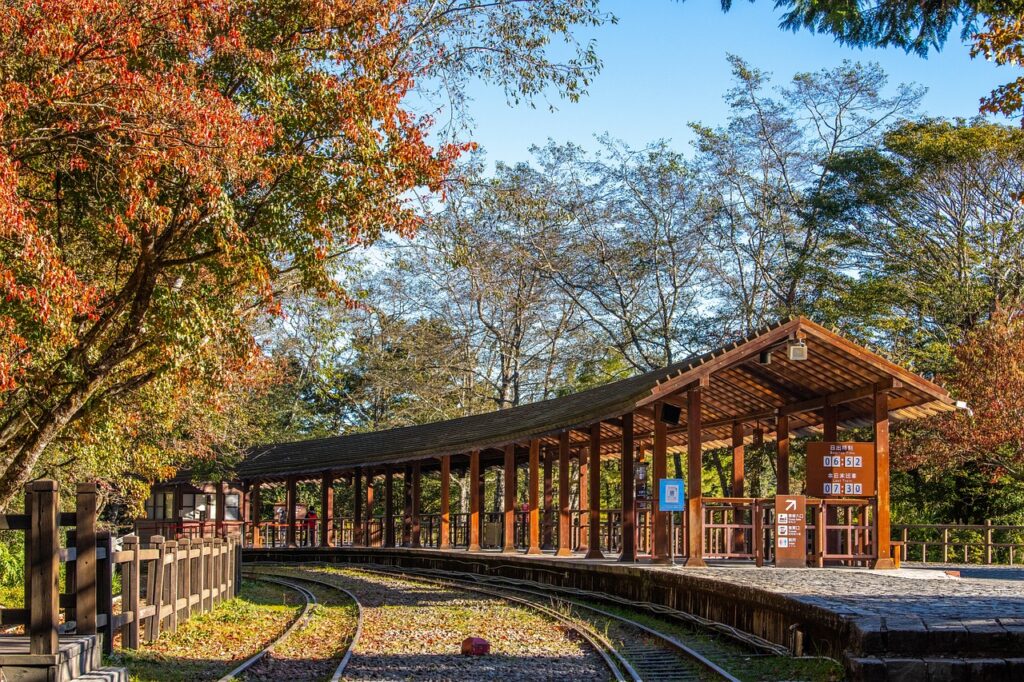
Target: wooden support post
85	562
831	434
694	483
583	545
104	594
882	529
42	566
155	587
446	486
407	506
534	497
547	533
782	456
357	507
327	509
368	512
219	503
830	424
628	553
290	502
389	507
130	574
659	465
508	544
416	490
564	530
474	501
255	499
595	492
738	484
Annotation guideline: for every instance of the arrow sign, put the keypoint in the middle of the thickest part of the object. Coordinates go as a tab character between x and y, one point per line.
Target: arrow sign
790	505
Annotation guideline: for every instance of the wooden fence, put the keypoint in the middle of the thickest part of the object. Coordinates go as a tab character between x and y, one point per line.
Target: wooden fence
986	543
162	584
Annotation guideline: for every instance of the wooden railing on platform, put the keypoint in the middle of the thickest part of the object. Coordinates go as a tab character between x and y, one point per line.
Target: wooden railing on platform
986	543
161	584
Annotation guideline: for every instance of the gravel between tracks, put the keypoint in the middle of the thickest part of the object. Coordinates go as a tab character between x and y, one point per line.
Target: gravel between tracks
414	631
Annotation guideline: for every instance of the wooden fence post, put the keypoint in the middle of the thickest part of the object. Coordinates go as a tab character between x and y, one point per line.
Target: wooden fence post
104	588
988	541
155	587
238	566
42	563
86	569
185	575
172	585
206	589
130	575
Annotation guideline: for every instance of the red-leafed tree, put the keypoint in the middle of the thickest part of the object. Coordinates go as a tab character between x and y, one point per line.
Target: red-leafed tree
169	167
988	374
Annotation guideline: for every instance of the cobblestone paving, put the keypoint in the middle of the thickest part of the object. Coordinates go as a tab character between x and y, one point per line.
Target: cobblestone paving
865	593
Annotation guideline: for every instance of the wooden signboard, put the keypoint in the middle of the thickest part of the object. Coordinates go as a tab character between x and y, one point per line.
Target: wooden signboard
841	469
790	531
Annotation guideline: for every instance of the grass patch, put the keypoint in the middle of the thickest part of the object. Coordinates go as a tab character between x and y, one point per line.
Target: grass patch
209	645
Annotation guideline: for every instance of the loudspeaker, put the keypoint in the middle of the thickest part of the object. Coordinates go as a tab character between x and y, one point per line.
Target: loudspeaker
670	414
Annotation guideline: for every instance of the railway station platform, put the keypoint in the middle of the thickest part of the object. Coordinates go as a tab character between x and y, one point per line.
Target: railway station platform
908	624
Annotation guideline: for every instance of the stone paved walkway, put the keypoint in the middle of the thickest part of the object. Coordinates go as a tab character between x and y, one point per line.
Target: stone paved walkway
931	596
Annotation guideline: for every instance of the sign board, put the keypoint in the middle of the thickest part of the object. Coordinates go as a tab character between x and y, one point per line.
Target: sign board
790	531
672	495
841	469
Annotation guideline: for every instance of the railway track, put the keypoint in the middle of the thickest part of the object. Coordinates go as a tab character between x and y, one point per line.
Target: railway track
250	665
631	650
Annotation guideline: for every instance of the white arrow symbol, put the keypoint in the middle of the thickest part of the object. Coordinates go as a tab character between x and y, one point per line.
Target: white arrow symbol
790	505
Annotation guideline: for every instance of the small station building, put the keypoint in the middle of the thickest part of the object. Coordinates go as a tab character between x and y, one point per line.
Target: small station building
796	378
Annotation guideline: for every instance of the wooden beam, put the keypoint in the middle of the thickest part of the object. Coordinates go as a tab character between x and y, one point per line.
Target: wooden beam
739	352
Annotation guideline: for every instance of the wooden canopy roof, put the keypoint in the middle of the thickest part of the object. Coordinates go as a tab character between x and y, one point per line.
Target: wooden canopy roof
737	385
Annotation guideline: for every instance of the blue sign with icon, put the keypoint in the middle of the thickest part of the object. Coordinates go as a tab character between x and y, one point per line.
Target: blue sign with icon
671	495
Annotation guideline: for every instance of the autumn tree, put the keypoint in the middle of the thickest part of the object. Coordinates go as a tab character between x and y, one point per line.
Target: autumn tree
988	374
169	170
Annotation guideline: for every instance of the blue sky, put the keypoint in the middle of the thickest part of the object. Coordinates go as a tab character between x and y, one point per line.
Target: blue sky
665	65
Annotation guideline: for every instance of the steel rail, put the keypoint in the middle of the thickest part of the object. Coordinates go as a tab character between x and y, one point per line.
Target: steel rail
669	640
604	648
310	600
359	606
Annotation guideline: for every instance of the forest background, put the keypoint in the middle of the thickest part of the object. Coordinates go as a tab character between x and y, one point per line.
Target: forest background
239	233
